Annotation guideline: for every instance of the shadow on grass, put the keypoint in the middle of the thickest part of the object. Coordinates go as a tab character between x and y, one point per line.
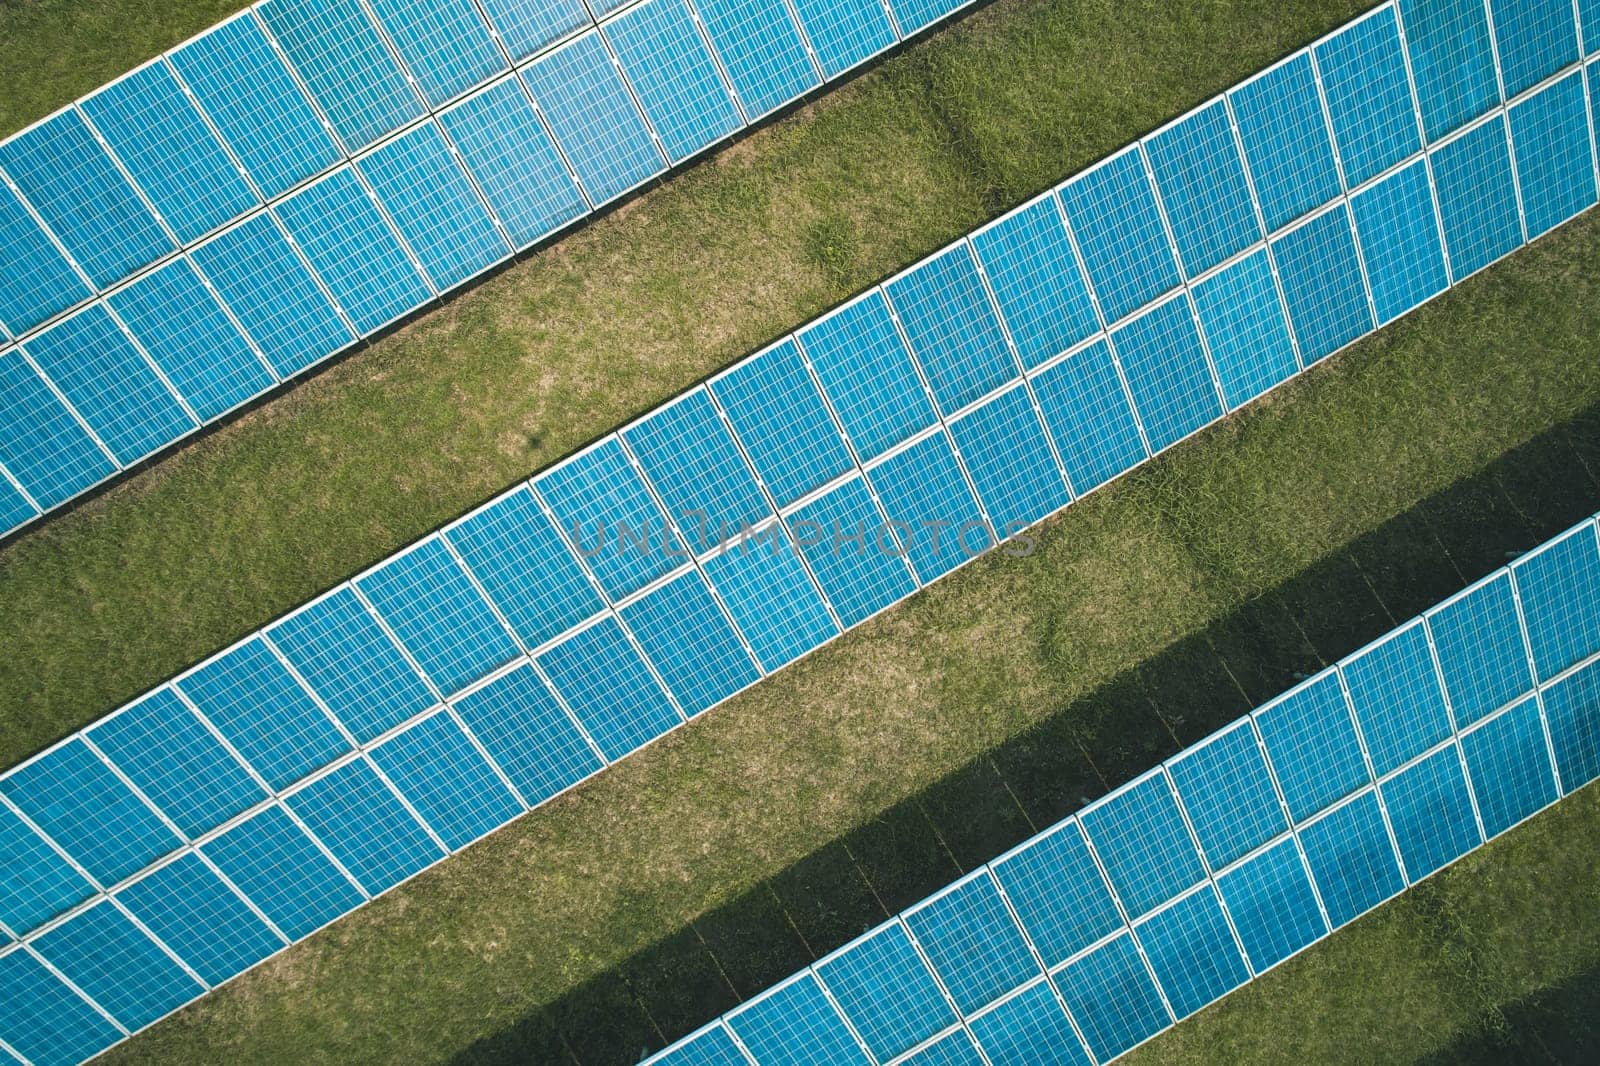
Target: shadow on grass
1078	753
1557	1026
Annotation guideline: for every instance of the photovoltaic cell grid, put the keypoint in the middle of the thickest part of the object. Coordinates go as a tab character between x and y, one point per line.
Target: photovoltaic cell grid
496	594
467	150
1179	887
475	130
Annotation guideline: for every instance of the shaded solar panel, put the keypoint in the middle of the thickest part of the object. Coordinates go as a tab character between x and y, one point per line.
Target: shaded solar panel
254	103
110	384
1572	709
83	198
1431	811
1273	905
1113	997
1352	859
340	56
169	150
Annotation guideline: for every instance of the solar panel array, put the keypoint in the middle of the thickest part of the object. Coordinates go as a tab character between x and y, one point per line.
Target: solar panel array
353	743
306	173
1234	855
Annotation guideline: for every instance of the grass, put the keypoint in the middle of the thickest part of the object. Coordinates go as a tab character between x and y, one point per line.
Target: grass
733	836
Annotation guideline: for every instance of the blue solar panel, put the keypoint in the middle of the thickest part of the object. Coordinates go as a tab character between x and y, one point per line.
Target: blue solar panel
691	459
1572	709
431	201
1589	16
782	422
761	50
1555	161
438	615
1058	894
1312	743
99	821
350	662
1477	197
855	556
771	599
1352	859
254	103
951	327
1400	241
42	445
518	557
972	942
668	65
1536	38
1140	836
14	508
365	827
169	150
38	282
163	749
1369	96
343	61
1110	993
354	251
447	780
954	1049
272	294
868	374
844	32
1125	248
1322	284
914	15
1397	698
180	325
1029	1029
277	866
1479	643
606	511
108	382
1272	904
506	149
444	43
1560	591
1431	812
1193	953
526	28
120	968
83	198
1227	791
255	703
1162	354
1201	178
690	642
527	734
1245	328
609	689
1009	458
1286	141
795	1025
884	988
40	883
1034	275
939	523
201	919
1452	60
593	118
711	1046
1509	765
44	1019
1088	413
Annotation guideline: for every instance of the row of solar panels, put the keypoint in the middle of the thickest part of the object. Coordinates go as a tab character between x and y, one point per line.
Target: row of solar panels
1128	917
521	649
253	187
273	106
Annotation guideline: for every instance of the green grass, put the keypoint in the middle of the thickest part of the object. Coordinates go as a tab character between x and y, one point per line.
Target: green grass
249	521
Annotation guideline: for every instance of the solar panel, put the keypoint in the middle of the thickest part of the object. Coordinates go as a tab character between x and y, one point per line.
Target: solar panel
1033	272
255	105
1478	641
39	282
844	33
1009	458
1431	811
364	825
1245	328
1273	905
1559	589
1398	699
770	597
43	883
891	998
524	29
1086	406
42	444
528	734
1287	143
609	689
1534	39
444	44
1477	197
943	306
1555	159
954	1049
1058	894
1112	995
44	1019
1113	212
1509	768
1029	1029
924	490
200	918
1192	952
447	779
1452	59
1200	176
283	872
974	945
1400	242
1570	707
169	151
682	631
668	64
1227	793
762	51
110	383
916	15
1368	96
857	558
1322	284
1311	740
795	1024
1168	373
117	964
1352	859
